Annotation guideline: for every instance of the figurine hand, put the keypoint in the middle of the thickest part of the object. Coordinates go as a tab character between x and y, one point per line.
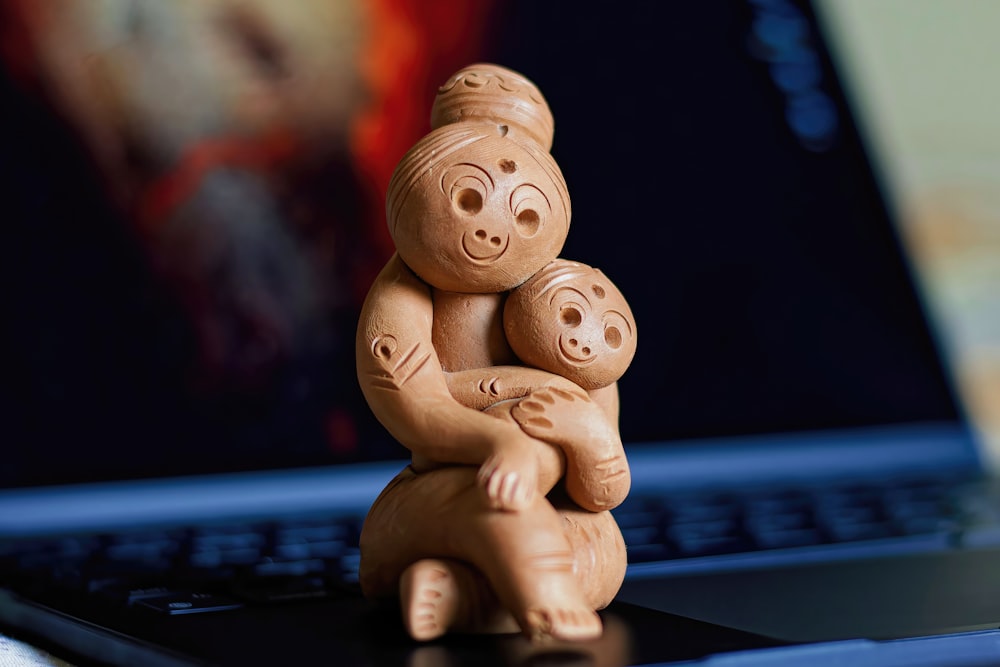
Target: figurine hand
510	477
597	471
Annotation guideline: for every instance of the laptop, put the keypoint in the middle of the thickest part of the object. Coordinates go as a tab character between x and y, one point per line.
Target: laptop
806	484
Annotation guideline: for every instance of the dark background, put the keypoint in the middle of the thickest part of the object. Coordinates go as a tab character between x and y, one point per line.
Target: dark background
752	243
716	178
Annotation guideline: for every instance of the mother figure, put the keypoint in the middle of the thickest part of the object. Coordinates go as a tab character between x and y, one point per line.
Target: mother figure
478	533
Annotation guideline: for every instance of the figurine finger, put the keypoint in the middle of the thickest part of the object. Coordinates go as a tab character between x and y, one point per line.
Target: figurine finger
494	488
486	471
509	489
545	396
569	395
518	492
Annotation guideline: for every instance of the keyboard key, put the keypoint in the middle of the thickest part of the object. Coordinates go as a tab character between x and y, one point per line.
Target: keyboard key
227	541
704	529
350	562
785	539
702	508
920	525
627	520
642	535
303	550
219	557
269	568
275	590
178	603
784	502
312	532
852	532
712	546
647	553
784	521
139	594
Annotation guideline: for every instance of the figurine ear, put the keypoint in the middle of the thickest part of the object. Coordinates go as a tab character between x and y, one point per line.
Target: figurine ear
485	93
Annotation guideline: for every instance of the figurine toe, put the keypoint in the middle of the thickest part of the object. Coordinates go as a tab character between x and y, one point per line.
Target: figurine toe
570	624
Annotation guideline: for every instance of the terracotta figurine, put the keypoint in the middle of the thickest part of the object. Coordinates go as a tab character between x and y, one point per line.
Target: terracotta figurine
570	320
476	534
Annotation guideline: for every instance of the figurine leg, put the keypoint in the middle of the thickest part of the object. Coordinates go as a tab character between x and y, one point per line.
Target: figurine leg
597	473
596	541
551	460
441	595
531	565
526	556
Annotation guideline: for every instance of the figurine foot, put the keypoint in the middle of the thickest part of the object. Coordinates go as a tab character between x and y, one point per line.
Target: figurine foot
571	624
430	599
551	600
441	595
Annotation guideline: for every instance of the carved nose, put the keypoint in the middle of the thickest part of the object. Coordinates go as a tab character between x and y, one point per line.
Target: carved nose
582	345
484	237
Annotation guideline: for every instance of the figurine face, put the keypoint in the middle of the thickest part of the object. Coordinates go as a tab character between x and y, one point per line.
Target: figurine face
569	319
477	212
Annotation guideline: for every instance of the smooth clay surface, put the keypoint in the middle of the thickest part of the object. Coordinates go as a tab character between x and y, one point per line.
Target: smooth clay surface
495	364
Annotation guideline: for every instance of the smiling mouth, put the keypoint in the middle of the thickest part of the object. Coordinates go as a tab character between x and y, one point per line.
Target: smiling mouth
569	352
477	255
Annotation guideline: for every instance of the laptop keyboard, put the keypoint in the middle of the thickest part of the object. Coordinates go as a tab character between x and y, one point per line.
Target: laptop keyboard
227	566
705	524
189	570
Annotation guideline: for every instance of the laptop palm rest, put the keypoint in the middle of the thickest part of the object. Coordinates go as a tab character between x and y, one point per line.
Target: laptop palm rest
884	598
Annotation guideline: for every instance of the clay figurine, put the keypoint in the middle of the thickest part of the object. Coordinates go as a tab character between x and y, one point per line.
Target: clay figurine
476	534
570	320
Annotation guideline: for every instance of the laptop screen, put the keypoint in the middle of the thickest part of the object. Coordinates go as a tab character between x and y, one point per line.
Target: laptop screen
194	228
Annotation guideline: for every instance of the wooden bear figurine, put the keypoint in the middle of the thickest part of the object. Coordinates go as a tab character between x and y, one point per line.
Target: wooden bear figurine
477	533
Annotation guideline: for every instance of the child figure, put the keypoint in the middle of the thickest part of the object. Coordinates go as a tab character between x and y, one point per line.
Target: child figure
571	321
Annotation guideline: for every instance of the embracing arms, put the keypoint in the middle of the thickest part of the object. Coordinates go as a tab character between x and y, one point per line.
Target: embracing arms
401	377
555	410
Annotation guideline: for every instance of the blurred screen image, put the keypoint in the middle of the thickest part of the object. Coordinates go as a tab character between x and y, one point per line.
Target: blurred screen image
196	196
195	192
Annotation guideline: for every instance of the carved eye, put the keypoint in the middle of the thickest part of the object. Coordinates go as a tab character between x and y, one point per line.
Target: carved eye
570	316
598	291
468	186
613	337
617	329
530	208
528	222
469	201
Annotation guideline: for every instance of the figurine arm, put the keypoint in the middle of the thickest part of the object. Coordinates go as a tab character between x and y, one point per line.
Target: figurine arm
597	471
479	388
583	425
401	376
402	379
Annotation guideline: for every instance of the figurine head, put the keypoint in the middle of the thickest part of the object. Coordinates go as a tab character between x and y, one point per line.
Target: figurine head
500	97
474	211
569	319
